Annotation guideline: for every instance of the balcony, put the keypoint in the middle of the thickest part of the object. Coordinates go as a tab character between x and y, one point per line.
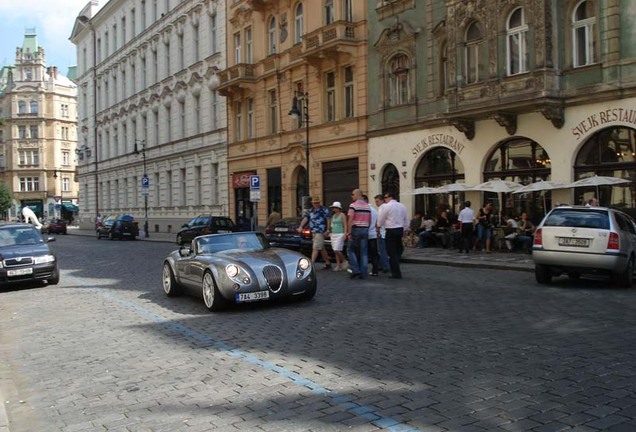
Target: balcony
236	78
332	40
28	114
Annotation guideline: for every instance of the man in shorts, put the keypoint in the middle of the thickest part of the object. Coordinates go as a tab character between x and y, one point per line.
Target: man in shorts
319	220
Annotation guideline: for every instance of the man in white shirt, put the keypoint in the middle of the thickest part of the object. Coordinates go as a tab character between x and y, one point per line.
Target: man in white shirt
394	218
466	220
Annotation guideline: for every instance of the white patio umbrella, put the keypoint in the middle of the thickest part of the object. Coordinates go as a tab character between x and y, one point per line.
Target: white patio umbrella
596	181
542	185
499	187
424	190
454	187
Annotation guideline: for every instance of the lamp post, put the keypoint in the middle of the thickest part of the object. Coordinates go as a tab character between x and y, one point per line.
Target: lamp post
300	110
55	175
144	182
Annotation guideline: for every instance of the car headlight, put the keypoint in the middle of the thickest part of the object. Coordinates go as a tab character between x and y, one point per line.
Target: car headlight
304	264
43	259
231	270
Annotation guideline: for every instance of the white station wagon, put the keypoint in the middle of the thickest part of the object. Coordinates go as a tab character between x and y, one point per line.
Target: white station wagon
585	240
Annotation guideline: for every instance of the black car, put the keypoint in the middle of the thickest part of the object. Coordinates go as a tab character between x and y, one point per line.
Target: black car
118	227
25	256
286	234
203	225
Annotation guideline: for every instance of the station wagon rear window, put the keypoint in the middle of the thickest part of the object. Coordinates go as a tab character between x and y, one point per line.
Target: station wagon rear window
598	219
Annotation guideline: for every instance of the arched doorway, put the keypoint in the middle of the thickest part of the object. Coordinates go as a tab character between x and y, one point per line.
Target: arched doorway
438	167
524	161
609	152
391	180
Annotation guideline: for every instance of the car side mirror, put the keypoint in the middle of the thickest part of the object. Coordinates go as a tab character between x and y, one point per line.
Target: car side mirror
50	239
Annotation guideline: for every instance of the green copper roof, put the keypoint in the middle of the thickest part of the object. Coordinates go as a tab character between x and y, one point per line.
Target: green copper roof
30	41
72	73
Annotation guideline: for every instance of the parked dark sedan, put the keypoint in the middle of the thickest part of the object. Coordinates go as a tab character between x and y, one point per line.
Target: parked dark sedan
286	234
118	227
203	225
25	256
56	226
226	269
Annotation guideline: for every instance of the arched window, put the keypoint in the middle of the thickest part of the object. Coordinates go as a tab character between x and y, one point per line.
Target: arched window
399	79
34	106
438	167
298	24
474	41
517	44
271	36
391	180
347	6
21	107
330	15
609	152
583	41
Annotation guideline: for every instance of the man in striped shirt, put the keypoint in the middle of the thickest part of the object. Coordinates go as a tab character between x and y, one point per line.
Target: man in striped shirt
357	232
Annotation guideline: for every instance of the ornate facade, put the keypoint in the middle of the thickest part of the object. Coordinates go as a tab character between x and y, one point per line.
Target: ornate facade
38	134
306	55
520	90
152	126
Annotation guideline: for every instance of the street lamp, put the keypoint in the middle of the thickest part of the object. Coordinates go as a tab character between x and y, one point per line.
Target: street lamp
55	175
300	110
144	182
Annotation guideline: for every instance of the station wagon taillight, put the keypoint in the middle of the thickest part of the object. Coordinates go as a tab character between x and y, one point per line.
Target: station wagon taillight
613	242
538	241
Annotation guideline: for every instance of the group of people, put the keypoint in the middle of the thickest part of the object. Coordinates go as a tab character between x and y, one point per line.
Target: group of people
373	234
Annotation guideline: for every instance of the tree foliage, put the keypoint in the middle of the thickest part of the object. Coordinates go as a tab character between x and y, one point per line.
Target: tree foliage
5	198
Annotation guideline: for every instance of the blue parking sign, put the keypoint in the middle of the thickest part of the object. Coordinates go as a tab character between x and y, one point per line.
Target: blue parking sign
255	182
145	181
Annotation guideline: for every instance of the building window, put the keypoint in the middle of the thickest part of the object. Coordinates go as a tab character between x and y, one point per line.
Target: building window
33	131
123	31
197	185
583	23
271	36
183	184
249	56
348	10
298	24
197	114
143	15
213	31
330	17
21	107
106	44
182	120
167	63
64	131
195	43
237	48
28	157
133	22
443	69
348	92
22	132
273	112
180	51
214	105
66	184
517	44
250	117
238	118
29	184
168	123
66	158
330	96
474	40
29	74
133	73
399	80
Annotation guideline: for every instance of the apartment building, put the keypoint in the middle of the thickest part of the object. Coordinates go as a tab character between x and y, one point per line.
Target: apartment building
307	58
152	125
468	91
38	134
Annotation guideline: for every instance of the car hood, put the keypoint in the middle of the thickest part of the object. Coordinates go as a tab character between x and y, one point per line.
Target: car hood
251	258
25	250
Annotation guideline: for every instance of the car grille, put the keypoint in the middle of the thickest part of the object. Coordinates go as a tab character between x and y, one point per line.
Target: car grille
19	261
274	277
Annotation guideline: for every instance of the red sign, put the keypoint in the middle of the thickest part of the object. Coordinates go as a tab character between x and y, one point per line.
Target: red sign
242	179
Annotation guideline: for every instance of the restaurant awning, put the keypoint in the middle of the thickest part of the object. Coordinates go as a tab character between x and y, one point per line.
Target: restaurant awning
70	207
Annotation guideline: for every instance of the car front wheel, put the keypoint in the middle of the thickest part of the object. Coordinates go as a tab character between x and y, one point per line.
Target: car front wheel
211	295
170	285
56	277
626	278
542	273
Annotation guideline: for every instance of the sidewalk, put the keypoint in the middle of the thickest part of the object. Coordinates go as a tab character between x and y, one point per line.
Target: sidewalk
435	256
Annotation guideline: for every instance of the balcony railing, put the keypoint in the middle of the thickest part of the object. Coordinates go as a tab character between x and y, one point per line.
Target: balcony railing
239	75
331	37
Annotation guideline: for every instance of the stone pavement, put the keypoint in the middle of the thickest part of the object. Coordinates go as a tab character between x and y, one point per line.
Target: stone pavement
435	256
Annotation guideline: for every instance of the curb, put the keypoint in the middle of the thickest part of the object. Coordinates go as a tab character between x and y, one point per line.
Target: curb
510	267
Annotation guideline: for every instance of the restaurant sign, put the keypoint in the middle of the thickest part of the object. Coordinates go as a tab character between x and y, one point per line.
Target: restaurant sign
437	140
242	179
602	118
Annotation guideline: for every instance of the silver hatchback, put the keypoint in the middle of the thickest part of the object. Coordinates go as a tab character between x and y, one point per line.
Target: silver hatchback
585	240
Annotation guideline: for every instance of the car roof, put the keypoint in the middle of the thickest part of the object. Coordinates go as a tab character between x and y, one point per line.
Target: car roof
15	225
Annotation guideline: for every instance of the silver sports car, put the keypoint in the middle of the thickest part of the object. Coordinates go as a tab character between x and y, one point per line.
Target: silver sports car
237	268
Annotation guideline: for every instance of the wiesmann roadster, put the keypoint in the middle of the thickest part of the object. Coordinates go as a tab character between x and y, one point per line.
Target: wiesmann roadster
235	268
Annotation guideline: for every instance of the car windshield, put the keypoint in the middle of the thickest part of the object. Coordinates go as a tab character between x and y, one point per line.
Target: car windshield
223	242
11	236
574	218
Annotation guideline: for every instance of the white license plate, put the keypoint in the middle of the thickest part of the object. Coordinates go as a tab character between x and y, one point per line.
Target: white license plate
577	242
19	272
281	229
253	296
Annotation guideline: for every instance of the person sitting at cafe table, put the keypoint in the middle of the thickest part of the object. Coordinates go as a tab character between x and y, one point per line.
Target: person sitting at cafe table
426	235
442	229
526	233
